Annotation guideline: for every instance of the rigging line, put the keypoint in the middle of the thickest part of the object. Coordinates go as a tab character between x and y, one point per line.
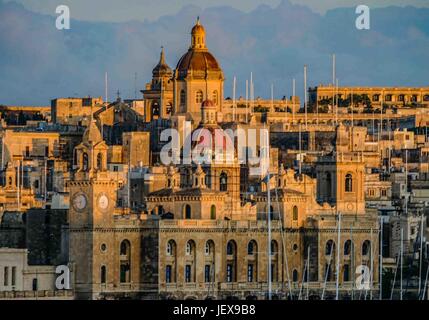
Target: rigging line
426	282
284	245
327	270
394	277
302	282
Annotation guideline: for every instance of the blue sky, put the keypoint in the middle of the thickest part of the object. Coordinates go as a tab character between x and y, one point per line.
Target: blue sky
39	62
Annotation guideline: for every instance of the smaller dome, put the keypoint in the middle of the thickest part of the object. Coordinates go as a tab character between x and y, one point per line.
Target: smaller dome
208	104
162	68
198	28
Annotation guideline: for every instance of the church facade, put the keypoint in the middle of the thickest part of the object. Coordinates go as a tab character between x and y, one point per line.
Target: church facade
208	231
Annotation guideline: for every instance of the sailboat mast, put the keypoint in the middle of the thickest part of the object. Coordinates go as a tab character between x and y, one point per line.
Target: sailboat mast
269	219
233	100
293	97
402	257
421	254
381	257
308	270
305	94
247	100
338	257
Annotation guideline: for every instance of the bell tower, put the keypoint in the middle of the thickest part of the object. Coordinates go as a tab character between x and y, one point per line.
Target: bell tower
92	204
341	178
158	95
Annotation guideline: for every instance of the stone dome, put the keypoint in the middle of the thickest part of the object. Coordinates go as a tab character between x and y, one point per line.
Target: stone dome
92	134
208	104
162	68
198	62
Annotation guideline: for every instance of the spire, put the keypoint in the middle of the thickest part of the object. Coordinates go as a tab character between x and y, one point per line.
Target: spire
162	56
162	67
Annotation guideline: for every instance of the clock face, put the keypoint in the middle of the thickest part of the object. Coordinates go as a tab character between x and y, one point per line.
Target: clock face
103	202
79	202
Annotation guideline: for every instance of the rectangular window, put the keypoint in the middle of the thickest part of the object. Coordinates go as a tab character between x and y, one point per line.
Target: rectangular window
273	272
250	272
168	274
229	273
207	276
346	272
27	151
6	276
13	276
188	273
125	275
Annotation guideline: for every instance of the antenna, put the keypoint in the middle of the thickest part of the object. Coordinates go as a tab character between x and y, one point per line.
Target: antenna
293	98
251	91
305	95
105	87
135	85
233	99
247	99
336	102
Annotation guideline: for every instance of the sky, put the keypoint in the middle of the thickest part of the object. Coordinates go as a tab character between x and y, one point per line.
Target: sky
126	10
39	63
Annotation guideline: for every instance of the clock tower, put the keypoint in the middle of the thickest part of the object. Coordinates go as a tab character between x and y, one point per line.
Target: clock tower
92	204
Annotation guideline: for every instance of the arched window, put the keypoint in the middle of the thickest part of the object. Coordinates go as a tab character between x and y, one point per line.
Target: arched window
171	248
209	248
125	262
190	245
187	212
366	246
100	161
155	109
199	96
295	213
169	108
251	247
125	248
182	97
213	212
329	249
85	161
349	183
230	248
295	275
103	274
274	247
347	247
215	97
223	182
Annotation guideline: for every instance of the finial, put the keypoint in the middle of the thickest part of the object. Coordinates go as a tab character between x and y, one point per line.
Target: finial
198	20
162	58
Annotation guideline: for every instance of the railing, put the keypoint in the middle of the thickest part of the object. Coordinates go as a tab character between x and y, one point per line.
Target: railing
41	294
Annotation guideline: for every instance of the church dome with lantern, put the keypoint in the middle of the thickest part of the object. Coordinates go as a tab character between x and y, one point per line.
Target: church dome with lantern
198	62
